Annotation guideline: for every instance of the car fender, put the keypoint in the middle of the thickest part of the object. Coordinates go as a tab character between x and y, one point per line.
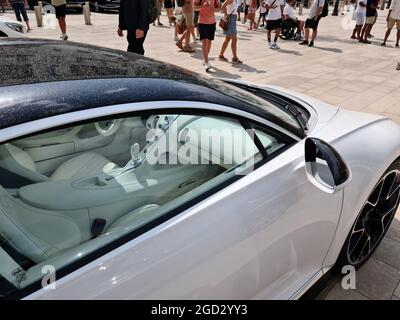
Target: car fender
369	144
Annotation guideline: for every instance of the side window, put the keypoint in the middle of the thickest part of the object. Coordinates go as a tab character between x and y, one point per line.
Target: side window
67	193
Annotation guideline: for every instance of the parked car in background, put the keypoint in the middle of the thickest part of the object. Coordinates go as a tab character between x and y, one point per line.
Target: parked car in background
11	28
104	5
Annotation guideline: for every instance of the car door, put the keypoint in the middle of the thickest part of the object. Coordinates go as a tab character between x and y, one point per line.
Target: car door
259	235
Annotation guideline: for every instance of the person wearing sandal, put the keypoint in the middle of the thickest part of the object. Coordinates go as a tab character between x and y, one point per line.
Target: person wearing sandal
188	12
229	8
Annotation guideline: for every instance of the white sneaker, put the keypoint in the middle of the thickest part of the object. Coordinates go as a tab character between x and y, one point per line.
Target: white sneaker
276	46
64	37
270	45
207	66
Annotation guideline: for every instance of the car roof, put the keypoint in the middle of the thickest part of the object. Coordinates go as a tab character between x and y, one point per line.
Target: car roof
41	78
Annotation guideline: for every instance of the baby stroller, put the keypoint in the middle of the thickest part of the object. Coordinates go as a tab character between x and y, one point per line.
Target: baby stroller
289	29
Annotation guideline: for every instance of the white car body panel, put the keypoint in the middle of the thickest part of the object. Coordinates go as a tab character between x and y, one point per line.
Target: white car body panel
268	235
8	31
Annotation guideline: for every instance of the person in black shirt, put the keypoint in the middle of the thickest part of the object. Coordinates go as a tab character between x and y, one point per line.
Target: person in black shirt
372	12
133	17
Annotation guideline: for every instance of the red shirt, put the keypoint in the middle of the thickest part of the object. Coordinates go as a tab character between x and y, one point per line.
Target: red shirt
206	13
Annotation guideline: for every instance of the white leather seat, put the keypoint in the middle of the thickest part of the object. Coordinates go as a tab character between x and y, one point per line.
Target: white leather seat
134	218
19	162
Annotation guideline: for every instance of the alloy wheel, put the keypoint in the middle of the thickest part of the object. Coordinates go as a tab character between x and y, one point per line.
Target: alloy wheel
375	218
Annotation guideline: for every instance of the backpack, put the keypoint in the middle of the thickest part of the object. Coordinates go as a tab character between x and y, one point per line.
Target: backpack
152	11
180	3
325	9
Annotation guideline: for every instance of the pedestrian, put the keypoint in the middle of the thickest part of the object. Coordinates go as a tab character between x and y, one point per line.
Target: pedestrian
274	21
133	17
312	22
262	14
229	9
60	6
393	18
19	9
245	5
371	15
169	7
207	27
288	13
342	5
159	8
188	13
360	18
252	14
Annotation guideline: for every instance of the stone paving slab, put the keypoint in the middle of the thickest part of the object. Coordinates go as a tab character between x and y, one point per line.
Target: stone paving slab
337	70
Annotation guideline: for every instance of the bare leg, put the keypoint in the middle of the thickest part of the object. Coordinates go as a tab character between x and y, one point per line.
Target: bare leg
224	46
306	34
398	37
63	25
387	34
314	35
234	47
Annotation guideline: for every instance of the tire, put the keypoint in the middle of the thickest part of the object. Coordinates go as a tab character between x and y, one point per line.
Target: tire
374	219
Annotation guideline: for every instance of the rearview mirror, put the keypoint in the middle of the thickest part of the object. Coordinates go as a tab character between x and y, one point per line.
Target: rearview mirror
325	168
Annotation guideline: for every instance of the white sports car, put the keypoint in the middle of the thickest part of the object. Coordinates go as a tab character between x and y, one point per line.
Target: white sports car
11	28
124	177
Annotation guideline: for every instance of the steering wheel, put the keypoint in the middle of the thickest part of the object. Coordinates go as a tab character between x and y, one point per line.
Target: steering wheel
107	127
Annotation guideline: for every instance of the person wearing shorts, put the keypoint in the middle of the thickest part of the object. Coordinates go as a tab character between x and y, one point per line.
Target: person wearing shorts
288	13
262	14
393	19
229	9
188	13
60	6
274	20
19	9
169	7
312	22
207	26
360	18
371	15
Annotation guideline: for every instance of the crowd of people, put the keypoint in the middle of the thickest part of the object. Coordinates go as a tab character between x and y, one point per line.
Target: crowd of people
196	19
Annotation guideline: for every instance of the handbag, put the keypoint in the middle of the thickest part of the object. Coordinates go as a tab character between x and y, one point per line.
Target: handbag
223	23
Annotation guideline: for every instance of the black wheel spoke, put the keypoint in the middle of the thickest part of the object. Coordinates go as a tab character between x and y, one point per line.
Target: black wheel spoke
375	217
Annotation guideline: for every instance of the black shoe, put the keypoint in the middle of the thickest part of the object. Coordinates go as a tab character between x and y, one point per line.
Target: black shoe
383	44
311	44
304	43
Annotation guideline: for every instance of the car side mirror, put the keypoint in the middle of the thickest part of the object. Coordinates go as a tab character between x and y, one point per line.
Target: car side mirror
325	168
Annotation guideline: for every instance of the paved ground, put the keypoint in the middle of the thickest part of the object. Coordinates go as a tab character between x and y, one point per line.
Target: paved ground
338	70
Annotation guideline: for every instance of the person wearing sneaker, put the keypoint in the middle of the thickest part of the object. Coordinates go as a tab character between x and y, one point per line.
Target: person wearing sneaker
262	14
229	9
312	22
133	18
207	26
360	18
371	15
393	18
60	6
188	12
274	20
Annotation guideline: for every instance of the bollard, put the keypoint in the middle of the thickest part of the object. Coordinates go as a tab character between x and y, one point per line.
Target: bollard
301	6
40	5
86	13
39	17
